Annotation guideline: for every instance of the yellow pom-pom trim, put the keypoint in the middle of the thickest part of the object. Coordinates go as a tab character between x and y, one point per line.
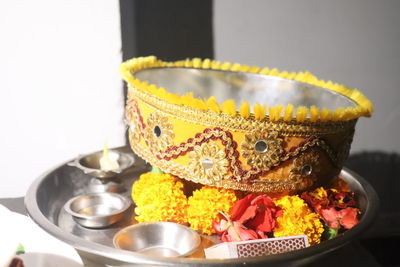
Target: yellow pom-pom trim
301	113
245	109
312	114
212	104
260	111
288	113
275	113
229	107
325	115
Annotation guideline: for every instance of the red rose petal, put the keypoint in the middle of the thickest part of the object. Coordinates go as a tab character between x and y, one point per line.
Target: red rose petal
263	200
261	222
244	234
251	218
248	214
348	217
240	207
331	217
262	235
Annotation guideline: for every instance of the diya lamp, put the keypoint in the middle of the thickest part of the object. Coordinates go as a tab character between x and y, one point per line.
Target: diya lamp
104	167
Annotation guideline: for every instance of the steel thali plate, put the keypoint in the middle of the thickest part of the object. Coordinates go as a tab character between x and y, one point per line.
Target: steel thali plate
48	194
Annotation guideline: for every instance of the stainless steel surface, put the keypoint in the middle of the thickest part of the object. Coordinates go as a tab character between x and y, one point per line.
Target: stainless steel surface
113	185
158	239
90	164
48	194
240	86
97	210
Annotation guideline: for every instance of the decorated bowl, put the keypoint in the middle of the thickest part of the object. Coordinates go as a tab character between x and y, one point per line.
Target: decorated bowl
240	127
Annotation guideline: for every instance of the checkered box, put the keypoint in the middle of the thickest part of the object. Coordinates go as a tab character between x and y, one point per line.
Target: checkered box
253	248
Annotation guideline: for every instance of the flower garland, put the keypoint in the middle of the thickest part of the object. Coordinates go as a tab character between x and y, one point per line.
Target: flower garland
210	210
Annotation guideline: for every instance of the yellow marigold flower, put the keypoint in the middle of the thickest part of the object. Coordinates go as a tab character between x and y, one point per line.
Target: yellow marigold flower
204	205
159	197
298	219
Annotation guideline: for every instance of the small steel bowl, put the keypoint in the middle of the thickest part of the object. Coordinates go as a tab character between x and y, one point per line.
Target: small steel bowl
97	210
90	164
165	239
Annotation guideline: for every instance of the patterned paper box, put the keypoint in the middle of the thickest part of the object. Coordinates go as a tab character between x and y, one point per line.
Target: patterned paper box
253	248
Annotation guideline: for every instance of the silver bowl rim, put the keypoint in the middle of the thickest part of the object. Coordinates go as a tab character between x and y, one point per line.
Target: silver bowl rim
137	258
139	225
125	200
351	102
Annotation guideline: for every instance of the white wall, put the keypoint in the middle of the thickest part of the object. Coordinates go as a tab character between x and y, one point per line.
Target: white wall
354	42
60	90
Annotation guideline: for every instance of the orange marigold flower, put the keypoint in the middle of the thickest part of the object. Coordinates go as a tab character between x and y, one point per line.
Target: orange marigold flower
159	197
298	219
204	205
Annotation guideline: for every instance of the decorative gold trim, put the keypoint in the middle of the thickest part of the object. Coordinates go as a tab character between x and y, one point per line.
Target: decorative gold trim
238	123
132	123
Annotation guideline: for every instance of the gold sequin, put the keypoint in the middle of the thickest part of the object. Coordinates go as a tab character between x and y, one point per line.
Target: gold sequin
159	132
305	168
262	149
208	162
